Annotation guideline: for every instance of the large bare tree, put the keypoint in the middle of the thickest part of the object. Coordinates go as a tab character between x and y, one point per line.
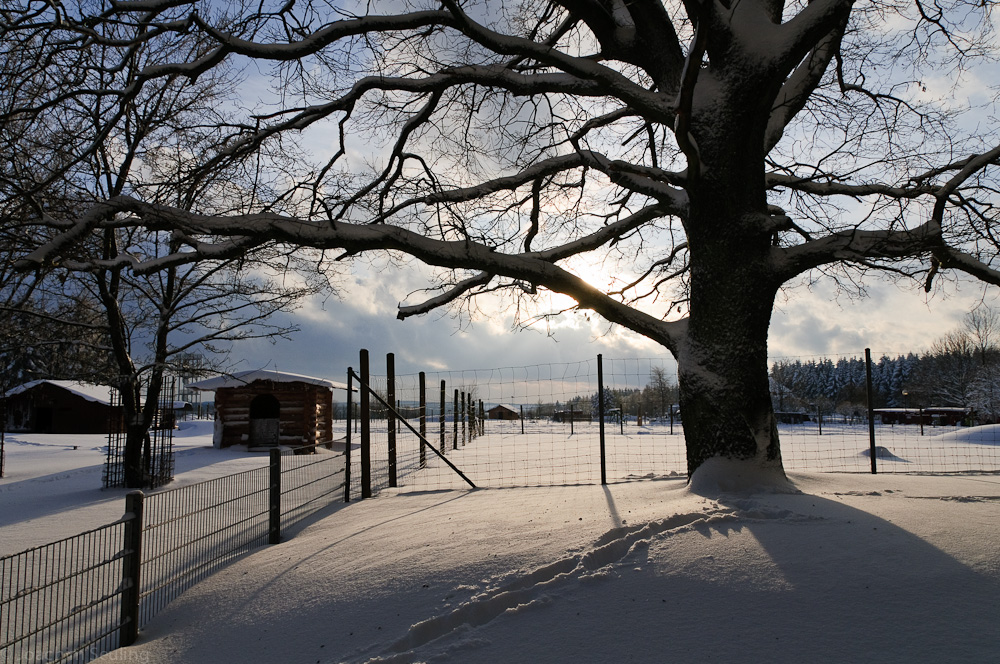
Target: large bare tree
704	154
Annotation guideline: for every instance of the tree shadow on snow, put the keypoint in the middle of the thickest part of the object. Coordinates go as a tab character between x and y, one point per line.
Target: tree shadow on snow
777	578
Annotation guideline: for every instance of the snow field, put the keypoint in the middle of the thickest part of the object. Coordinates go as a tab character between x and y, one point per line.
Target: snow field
849	568
548	454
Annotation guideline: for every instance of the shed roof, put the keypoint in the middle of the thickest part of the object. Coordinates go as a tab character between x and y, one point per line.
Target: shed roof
89	391
246	377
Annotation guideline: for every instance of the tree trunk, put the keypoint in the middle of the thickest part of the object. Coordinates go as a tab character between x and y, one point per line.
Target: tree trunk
724	396
135	459
722	362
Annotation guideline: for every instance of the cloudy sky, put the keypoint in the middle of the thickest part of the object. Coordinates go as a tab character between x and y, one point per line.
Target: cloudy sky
806	323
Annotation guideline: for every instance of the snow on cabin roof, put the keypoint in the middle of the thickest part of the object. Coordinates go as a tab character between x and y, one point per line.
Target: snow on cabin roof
89	391
246	377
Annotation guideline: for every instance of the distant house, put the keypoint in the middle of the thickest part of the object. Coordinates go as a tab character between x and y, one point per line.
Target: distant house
269	408
934	415
568	415
788	417
60	406
502	412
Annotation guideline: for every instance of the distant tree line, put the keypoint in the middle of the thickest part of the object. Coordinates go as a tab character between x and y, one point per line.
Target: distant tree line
962	368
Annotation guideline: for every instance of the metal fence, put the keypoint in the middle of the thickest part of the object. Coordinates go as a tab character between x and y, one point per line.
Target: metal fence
553	434
81	597
62	601
157	453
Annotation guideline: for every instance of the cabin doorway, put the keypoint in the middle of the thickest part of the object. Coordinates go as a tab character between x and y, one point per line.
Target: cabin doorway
265	418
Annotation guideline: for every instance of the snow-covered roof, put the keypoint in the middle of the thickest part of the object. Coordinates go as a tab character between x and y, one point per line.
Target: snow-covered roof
247	377
89	391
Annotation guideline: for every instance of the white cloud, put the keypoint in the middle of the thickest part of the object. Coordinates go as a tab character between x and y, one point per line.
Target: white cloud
890	320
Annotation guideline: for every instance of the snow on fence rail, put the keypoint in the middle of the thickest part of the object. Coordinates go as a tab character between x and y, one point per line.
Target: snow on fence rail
552	434
80	597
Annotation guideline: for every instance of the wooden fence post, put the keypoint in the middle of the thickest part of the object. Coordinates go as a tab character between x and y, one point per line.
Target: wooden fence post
462	402
366	428
347	438
470	414
600	417
390	369
441	417
454	417
131	569
872	452
422	378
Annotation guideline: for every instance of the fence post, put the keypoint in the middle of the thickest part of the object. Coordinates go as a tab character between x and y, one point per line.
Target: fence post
366	428
347	439
131	569
462	402
522	419
441	417
454	418
871	410
482	419
600	416
422	377
3	431
390	396
469	414
274	498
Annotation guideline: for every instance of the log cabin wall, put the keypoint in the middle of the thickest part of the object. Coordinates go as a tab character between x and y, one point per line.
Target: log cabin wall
305	416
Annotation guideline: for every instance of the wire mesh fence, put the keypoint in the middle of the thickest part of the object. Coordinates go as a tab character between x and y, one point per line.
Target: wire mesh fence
192	531
309	482
75	599
539	425
157	451
525	426
61	602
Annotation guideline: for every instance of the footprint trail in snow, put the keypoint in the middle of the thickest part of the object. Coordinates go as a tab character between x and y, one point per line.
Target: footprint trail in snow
543	585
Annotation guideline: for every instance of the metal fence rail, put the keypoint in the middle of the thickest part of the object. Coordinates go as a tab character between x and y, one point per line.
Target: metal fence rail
309	482
61	602
83	596
191	531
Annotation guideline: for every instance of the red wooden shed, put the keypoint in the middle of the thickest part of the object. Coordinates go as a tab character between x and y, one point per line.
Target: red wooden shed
60	406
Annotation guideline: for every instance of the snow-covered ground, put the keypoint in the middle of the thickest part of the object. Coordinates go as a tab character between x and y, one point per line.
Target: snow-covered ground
52	482
554	453
850	567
